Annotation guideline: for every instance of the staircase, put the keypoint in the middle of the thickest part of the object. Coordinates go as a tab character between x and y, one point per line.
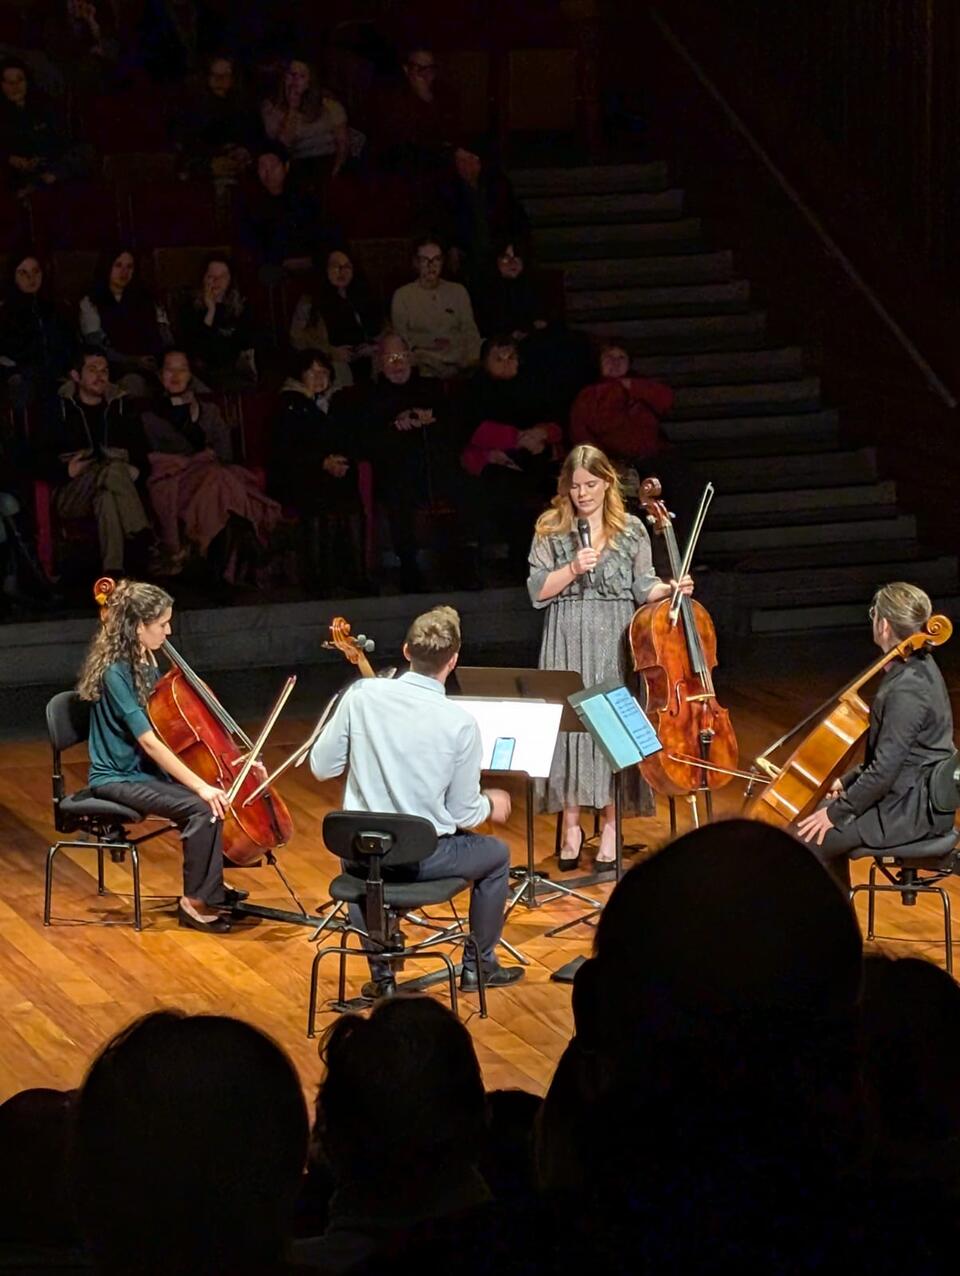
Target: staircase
802	530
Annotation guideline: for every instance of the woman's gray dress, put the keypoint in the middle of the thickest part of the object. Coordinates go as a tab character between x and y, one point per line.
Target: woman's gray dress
585	628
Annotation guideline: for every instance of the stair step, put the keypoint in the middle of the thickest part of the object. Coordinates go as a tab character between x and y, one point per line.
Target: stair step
793	587
862	524
759	473
605	177
567	210
788	501
847	615
760	399
816	556
685	332
635	239
801	426
723	367
681	299
618	272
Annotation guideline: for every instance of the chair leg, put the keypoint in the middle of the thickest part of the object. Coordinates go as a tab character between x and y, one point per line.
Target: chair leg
947	928
101	888
48	883
871	899
342	985
673	816
481	978
137	906
312	1008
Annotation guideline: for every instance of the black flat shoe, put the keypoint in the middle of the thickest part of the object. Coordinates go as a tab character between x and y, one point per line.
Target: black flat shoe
217	925
374	989
496	977
605	866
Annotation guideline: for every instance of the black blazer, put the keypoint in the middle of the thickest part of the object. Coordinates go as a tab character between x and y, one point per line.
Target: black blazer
911	729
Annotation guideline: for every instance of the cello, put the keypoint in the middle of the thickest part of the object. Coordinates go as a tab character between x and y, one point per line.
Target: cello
674	647
193	724
797	788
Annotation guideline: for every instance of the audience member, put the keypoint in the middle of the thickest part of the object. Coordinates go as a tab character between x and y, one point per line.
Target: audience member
33	144
479	210
193	482
434	316
710	1102
167	45
36	1209
278	226
216	133
94	451
404	1141
313	470
119	317
414	120
341	318
81	37
620	414
216	329
308	122
190	1142
36	343
505	298
406	432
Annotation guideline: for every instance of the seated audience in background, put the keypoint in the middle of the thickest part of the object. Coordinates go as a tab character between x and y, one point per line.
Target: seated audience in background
168	40
341	318
92	448
505	297
35	148
405	428
81	37
512	452
36	1209
193	483
313	470
414	120
36	342
434	316
216	133
911	1040
478	210
279	227
710	1102
425	1168
620	414
216	329
158	1136
119	317
310	123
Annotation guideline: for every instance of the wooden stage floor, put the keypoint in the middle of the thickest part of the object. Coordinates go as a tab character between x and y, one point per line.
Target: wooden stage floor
66	988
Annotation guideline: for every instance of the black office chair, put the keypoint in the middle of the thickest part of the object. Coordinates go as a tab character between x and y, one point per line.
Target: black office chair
379	853
920	867
104	823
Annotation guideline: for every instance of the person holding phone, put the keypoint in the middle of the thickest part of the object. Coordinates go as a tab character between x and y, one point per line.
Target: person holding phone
589	594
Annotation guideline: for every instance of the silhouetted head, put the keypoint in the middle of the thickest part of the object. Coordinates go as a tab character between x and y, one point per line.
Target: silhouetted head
36	1204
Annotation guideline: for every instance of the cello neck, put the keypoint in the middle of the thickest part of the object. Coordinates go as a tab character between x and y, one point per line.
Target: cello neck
206	695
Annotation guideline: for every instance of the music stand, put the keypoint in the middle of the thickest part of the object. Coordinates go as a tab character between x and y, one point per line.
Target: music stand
622	732
551	686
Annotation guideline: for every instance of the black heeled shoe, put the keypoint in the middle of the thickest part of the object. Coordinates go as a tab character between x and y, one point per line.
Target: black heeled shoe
567	864
215	926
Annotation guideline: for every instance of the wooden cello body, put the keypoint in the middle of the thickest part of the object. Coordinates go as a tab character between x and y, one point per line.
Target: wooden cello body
676	654
797	788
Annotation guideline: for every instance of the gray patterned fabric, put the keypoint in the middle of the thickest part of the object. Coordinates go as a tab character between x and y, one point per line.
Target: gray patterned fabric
585	628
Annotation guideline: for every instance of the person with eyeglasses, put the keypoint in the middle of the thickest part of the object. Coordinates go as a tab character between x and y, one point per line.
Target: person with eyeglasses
885	801
414	120
435	316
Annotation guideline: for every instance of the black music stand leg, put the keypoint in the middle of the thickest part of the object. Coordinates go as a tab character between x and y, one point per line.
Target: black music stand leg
530	880
706	740
673	816
589	918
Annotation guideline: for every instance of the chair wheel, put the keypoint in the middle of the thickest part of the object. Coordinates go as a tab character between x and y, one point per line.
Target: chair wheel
118	854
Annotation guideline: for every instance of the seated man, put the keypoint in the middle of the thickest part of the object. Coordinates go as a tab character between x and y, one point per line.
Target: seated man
885	801
409	750
435	317
94	451
278	228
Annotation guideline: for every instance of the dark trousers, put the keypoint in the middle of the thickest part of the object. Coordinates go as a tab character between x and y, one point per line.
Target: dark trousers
834	851
484	861
202	839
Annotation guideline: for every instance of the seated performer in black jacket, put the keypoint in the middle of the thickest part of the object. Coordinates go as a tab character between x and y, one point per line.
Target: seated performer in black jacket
885	801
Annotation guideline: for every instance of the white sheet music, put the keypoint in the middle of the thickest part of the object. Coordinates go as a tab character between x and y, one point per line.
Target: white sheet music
530	725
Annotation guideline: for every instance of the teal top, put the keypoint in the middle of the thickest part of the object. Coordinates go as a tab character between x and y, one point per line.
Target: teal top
116	720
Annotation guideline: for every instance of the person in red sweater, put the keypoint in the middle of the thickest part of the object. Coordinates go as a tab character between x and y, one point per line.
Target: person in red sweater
620	414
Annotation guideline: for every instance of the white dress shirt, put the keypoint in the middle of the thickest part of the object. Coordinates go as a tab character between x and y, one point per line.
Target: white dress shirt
406	749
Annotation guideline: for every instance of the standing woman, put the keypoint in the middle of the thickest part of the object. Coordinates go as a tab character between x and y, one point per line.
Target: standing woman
130	764
590	596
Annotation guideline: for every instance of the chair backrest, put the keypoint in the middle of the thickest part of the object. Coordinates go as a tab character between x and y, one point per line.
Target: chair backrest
68	720
360	836
945	784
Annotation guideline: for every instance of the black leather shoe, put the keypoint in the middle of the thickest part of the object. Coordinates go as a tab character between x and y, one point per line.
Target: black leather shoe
374	989
495	977
216	925
232	896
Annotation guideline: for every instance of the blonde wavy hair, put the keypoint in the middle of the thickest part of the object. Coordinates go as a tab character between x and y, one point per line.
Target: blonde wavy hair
561	517
905	608
132	603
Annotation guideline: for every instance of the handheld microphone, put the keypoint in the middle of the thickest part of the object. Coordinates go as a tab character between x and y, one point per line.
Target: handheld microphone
583	531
